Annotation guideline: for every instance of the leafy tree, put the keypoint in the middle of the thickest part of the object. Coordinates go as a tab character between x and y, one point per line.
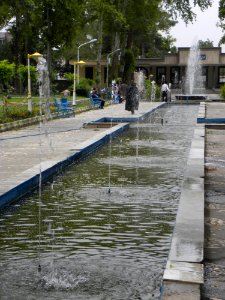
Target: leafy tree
184	8
57	23
99	12
22	71
7	72
129	62
205	44
45	25
221	14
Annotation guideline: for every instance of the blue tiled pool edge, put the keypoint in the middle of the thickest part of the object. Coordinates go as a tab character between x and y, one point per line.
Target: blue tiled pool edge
26	184
32	183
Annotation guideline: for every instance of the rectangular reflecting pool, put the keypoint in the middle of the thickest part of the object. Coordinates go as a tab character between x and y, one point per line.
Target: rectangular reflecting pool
102	229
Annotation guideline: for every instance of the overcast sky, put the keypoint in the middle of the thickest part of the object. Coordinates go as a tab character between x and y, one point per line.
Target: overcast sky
204	28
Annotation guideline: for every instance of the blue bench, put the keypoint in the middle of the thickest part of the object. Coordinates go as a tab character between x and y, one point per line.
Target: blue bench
95	102
63	107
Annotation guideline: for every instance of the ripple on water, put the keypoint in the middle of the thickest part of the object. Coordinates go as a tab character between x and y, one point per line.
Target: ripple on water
93	244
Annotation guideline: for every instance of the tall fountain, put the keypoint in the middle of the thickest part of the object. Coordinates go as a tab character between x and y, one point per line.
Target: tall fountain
44	85
139	79
193	82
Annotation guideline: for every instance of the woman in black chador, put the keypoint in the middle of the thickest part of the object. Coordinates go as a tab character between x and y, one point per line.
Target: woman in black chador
132	98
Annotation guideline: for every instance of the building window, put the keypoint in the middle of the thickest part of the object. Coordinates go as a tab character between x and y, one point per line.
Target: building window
221	74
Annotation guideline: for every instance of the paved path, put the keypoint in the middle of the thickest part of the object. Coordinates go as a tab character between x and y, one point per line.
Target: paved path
184	270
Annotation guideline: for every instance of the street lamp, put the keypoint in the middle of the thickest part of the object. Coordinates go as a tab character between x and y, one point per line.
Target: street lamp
107	69
35	56
75	63
78	57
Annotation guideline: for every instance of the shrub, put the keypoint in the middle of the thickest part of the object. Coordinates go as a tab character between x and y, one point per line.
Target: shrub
7	73
84	87
14	113
222	91
148	91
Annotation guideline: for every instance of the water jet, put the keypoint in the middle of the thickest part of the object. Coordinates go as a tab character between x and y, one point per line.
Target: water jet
193	82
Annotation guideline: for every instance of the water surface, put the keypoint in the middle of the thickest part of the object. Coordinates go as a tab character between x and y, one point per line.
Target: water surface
101	230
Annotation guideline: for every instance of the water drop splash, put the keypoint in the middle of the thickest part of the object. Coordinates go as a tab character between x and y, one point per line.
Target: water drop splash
62	280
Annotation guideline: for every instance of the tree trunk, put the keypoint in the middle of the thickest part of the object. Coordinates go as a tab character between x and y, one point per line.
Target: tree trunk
99	55
114	65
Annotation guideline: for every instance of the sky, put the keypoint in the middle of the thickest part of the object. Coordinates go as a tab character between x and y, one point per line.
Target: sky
202	29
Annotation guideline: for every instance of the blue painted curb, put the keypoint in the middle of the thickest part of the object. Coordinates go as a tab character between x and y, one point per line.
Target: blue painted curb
210	120
31	184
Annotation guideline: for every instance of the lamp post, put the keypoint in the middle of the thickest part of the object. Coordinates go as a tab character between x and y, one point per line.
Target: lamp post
29	98
107	68
78	57
75	63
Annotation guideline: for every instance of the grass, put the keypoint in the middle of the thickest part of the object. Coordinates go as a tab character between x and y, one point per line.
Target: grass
16	108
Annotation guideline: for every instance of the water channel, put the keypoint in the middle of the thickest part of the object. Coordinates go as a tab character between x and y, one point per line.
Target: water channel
93	244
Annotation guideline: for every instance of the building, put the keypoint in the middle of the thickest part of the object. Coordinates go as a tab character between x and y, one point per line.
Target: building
5	37
173	67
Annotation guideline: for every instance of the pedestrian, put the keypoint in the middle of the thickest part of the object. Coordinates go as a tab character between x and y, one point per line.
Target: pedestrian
66	93
165	91
132	98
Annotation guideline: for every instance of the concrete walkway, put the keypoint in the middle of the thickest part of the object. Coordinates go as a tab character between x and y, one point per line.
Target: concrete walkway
198	238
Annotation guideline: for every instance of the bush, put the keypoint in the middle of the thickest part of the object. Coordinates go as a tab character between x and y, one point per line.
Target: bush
148	91
14	113
7	73
84	87
222	91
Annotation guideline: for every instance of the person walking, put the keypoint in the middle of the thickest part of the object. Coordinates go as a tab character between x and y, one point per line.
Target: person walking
132	98
165	91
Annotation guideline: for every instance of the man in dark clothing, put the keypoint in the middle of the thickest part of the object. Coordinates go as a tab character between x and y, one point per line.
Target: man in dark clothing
95	95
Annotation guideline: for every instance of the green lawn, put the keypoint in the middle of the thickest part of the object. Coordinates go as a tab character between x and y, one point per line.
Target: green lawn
16	108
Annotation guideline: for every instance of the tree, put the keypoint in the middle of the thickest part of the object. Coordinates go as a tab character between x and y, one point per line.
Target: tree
99	13
184	8
45	25
205	44
22	71
221	14
7	72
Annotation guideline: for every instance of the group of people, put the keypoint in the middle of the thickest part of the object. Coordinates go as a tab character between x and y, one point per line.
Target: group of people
128	93
131	96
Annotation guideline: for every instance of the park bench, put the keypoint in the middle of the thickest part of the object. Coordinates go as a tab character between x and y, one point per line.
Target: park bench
63	107
95	102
